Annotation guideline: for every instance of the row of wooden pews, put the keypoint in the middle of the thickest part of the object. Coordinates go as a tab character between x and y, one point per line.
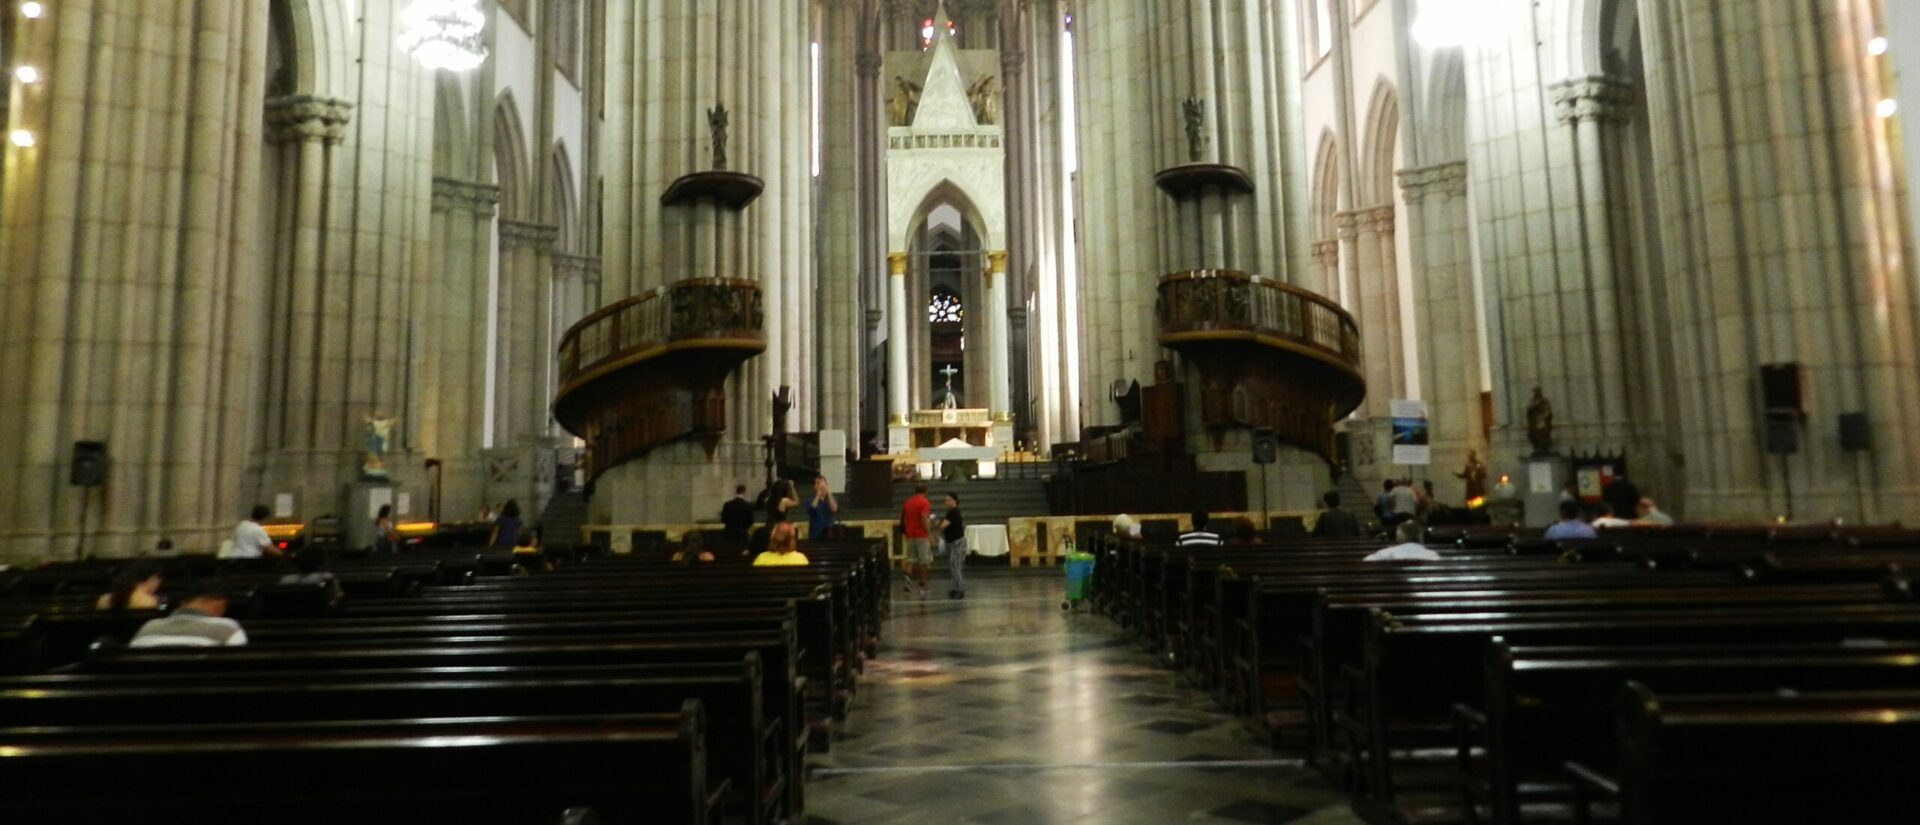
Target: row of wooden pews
611	690
1518	680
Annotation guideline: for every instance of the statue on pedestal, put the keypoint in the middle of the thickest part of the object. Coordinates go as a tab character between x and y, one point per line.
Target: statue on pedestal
1475	475
982	95
717	126
903	103
379	434
1195	110
1540	423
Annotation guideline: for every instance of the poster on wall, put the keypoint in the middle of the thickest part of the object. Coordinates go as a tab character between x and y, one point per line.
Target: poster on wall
1410	440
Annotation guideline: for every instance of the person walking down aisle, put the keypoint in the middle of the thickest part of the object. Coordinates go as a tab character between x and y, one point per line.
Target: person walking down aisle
953	538
913	524
737	517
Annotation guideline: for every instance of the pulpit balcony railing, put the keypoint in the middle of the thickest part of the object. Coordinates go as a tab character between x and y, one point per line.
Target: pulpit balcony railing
652	369
696	311
1206	304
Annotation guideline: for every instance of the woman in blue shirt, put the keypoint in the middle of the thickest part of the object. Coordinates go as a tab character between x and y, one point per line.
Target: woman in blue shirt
820	510
506	528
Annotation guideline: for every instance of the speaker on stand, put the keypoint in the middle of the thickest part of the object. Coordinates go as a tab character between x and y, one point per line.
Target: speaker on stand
1783	395
1266	450
87	470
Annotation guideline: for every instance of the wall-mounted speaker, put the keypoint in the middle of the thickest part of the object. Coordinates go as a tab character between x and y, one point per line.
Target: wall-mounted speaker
89	464
1783	388
1854	435
1266	448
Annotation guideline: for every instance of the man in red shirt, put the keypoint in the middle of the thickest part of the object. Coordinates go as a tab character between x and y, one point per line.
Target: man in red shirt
913	525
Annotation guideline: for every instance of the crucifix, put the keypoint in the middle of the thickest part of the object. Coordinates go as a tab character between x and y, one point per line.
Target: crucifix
949	402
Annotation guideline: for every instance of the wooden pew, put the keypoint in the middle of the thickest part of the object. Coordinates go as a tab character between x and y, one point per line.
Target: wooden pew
743	748
632	769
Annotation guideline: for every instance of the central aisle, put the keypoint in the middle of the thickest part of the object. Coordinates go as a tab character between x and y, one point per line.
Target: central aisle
1002	710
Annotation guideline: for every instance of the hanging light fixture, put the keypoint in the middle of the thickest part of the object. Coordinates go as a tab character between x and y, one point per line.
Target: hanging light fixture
444	34
1442	24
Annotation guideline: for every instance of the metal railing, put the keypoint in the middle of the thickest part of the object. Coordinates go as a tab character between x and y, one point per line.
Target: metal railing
1201	301
626	331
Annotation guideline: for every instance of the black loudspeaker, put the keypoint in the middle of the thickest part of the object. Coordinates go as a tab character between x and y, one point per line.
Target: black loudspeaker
1266	448
1783	389
89	463
1783	435
1854	435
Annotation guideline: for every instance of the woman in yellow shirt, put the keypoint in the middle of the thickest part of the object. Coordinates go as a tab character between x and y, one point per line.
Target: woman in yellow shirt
783	549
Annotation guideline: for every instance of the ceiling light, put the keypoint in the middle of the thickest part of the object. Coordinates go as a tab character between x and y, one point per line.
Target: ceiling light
32	10
26	74
1442	24
21	138
1887	107
1877	46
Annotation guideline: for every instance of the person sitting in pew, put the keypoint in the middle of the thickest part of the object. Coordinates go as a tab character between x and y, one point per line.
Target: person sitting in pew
1199	536
691	550
1244	531
1125	525
1650	514
200	621
1334	522
312	566
1570	526
1411	547
783	549
1606	520
137	587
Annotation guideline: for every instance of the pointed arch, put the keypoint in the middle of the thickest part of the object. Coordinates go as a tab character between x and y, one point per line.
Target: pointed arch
452	148
319	55
563	199
948	192
1326	186
510	159
1445	138
1381	156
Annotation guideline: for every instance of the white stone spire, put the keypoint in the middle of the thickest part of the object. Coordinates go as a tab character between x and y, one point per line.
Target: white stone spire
943	103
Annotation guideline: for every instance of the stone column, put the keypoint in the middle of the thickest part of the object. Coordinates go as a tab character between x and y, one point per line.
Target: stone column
306	130
1326	266
1589	107
453	372
523	357
1448	324
1785	241
132	286
1377	228
999	353
897	372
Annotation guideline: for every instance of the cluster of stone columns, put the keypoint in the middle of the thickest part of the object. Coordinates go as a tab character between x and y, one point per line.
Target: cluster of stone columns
129	322
1445	301
1366	239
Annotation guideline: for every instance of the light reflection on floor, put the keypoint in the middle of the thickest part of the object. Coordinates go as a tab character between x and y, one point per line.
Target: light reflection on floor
1002	710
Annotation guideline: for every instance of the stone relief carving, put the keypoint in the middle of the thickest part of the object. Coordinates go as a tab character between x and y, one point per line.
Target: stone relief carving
717	128
1194	110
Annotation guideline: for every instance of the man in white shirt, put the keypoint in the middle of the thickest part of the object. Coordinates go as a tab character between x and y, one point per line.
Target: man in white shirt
1199	536
1650	513
200	621
250	540
1411	547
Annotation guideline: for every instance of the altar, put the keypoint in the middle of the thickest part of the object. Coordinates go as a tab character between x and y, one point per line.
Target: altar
946	443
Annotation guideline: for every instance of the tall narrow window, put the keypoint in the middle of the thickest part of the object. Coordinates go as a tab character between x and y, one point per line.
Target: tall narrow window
1324	13
814	104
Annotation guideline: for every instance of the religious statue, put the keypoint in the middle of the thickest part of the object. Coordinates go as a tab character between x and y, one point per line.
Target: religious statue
984	98
1540	423
1475	475
1195	110
904	102
379	434
782	402
717	125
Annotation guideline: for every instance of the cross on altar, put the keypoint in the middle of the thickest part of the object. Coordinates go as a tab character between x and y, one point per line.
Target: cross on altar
949	402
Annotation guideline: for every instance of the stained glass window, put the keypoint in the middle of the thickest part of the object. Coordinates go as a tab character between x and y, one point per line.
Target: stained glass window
945	308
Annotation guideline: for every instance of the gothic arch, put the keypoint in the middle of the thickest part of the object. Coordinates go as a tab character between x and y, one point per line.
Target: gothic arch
1445	138
452	149
321	51
563	200
510	159
1326	186
948	192
1382	147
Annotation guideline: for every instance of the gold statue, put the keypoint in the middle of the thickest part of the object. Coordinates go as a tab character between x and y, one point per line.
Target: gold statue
1475	475
1540	423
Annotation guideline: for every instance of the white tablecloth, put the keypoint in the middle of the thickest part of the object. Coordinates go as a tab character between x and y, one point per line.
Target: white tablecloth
987	539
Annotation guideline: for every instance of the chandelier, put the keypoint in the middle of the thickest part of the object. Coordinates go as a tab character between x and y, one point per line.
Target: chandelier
444	34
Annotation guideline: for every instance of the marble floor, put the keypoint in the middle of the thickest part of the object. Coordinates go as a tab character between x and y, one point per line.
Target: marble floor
1002	710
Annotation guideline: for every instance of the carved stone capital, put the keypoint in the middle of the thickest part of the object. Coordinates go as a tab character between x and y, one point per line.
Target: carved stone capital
1602	99
450	195
868	64
1012	62
1346	225
583	267
874	317
1446	180
307	118
524	235
1017	318
1378	220
1326	253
